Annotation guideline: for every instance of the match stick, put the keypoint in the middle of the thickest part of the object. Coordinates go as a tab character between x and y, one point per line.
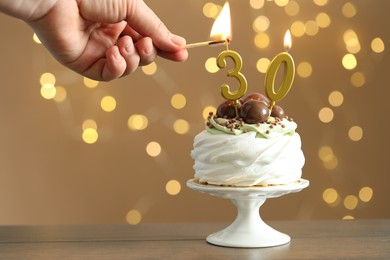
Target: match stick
207	43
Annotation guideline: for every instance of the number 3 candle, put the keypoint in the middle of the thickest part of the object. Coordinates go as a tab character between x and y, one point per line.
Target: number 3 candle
288	77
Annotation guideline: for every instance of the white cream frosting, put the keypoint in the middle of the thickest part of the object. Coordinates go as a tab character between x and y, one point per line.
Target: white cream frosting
245	159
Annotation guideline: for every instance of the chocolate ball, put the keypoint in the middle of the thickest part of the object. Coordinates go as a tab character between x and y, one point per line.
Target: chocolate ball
227	109
277	111
254	111
257	96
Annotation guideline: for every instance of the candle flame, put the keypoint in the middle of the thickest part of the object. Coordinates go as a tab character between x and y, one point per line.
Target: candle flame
287	40
222	28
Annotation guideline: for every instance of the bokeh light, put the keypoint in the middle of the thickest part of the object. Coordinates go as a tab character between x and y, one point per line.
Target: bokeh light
60	95
298	28
331	197
349	61
355	133
90	83
256	4
206	111
178	101
358	79
323	20
153	149
304	69
211	65
47	78
321	2
377	45
326	115
349	10
133	217
108	103
137	122
365	194
336	98
173	187
150	69
292	8
311	28
261	24
90	136
48	91
211	10
351	202
181	126
89	123
261	40
262	65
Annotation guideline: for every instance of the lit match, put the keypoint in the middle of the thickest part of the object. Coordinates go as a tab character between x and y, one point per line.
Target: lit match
206	43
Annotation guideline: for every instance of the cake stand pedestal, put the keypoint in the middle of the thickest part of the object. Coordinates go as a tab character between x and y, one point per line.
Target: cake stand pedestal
248	229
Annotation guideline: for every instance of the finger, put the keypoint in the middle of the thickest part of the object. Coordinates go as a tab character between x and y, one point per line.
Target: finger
141	18
115	65
146	51
129	53
181	55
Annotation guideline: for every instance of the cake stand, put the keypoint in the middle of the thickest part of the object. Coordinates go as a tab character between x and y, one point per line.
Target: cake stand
248	229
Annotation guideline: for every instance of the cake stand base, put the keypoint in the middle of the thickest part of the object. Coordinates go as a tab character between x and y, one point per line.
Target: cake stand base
248	229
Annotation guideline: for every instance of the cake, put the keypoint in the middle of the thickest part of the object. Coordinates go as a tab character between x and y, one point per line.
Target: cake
245	144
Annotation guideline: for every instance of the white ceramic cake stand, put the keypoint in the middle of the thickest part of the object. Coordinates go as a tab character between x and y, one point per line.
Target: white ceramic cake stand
248	229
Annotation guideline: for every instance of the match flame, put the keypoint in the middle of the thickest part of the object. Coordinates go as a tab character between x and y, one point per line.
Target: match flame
287	40
222	28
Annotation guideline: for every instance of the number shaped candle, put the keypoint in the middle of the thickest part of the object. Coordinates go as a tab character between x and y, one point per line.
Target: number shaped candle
236	73
288	77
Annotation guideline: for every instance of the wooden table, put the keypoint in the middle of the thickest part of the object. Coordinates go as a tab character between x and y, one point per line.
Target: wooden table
348	239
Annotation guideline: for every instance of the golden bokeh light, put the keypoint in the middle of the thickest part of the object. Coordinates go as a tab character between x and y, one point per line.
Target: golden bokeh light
173	187
89	123
90	83
211	10
36	39
298	28
332	164
358	79
311	28
292	8
261	24
108	103
348	217
349	10
181	126
153	149
304	69
262	65
365	194
150	69
325	153
262	40
48	91
355	133
336	98
207	110
321	2
178	101
323	20
325	115
90	136
377	45
351	202
133	217
331	197
137	122
47	78
281	3
211	65
349	61
256	4
60	95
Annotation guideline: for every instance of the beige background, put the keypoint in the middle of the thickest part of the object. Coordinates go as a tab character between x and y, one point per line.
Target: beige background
48	175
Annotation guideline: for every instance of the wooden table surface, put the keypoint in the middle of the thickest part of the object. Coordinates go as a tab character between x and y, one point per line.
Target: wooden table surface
338	239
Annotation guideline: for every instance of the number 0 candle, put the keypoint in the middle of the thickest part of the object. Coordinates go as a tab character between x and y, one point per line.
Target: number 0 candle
288	77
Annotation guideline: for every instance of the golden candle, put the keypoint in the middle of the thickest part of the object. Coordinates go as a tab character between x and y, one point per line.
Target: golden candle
222	30
288	77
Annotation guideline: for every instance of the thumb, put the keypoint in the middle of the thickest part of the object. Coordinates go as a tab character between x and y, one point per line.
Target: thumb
142	19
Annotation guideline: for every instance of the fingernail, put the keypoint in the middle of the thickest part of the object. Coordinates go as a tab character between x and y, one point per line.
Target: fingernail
177	40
